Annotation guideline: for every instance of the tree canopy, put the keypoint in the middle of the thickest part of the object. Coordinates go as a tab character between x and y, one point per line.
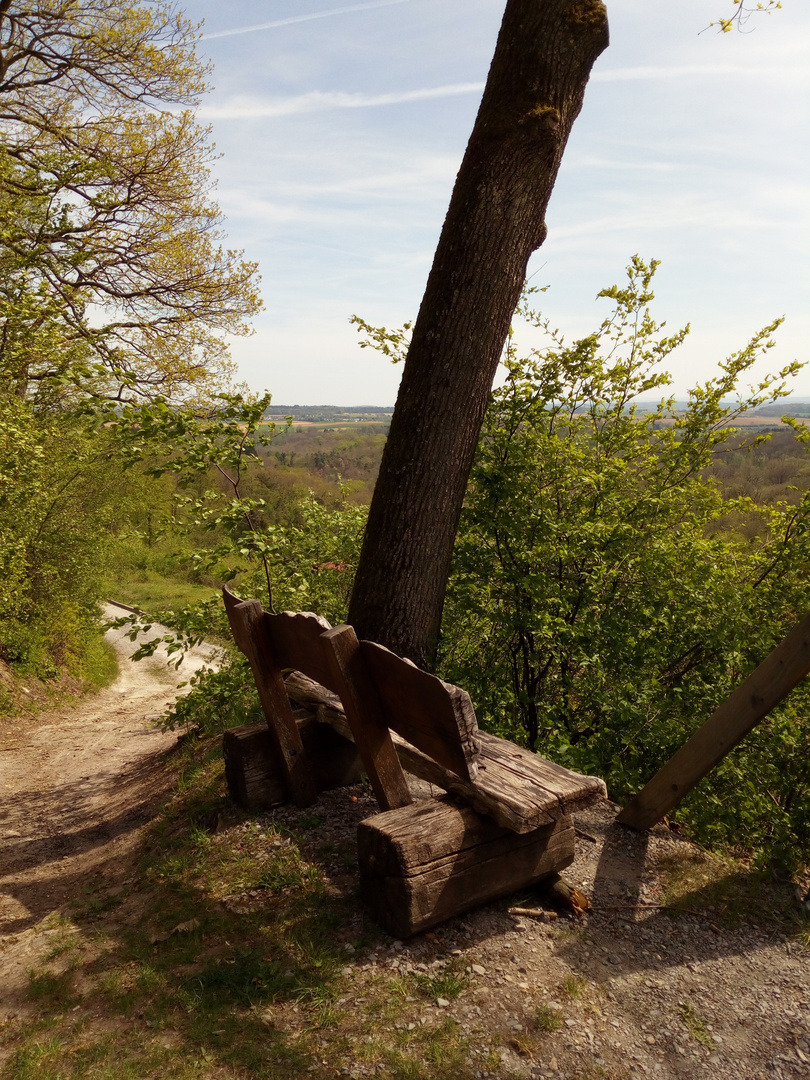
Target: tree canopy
115	283
109	227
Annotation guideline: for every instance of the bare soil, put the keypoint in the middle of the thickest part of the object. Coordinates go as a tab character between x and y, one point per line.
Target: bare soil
718	987
77	786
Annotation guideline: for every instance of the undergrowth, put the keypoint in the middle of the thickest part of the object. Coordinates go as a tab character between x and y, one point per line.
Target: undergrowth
227	955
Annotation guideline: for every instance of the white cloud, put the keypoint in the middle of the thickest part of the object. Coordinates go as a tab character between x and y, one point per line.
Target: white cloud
304	18
252	108
689	71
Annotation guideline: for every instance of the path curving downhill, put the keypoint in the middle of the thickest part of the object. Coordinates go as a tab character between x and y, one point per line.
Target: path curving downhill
77	783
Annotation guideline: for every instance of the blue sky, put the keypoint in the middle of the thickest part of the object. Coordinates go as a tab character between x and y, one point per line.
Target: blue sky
342	127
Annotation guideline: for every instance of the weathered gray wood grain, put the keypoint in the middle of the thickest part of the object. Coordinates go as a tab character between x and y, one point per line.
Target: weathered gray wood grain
434	716
251	636
518	789
430	861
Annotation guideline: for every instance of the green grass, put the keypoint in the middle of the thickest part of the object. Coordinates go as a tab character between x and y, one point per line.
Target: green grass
49	988
728	891
224	959
153	592
100	664
448	984
547	1019
695	1024
574	987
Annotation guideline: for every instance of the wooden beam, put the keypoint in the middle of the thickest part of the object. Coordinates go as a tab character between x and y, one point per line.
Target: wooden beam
750	703
254	775
434	860
362	709
516	788
250	634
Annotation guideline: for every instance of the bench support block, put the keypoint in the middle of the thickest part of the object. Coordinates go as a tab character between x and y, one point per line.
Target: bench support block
256	777
427	862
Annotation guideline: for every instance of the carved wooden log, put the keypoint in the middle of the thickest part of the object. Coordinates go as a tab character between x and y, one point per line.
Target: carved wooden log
427	862
256	778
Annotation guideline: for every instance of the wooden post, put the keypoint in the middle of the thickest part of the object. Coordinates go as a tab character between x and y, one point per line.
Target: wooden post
772	681
369	727
255	778
250	634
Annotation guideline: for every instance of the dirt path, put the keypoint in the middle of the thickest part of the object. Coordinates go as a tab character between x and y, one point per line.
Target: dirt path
77	784
633	990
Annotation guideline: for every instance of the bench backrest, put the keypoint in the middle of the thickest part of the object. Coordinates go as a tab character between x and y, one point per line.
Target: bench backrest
295	638
379	690
434	716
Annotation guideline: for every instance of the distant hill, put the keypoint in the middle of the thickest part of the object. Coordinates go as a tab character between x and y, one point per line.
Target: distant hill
330	414
784	408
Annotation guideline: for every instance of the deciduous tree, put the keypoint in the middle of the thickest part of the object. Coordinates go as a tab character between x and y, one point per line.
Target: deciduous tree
107	199
533	94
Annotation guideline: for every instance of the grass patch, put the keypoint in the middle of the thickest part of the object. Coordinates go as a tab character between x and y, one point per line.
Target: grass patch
100	664
447	984
153	592
63	937
50	989
574	987
729	892
547	1019
695	1024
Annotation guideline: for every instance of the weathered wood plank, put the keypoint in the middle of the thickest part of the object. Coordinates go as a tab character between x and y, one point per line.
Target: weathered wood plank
430	861
250	635
531	785
296	640
434	716
362	709
252	771
310	694
750	703
255	777
515	787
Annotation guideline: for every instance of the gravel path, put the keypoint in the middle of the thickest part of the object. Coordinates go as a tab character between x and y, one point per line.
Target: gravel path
77	785
636	989
633	990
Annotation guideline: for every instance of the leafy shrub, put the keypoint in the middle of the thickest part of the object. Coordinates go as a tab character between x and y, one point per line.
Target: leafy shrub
305	563
61	498
602	601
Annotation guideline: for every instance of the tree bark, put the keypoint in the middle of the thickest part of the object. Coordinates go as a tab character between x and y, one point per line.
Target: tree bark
533	94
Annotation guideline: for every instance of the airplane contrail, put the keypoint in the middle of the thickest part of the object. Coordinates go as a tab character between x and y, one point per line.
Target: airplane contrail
304	18
316	101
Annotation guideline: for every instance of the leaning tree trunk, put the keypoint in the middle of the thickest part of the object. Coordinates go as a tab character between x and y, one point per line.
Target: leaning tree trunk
534	92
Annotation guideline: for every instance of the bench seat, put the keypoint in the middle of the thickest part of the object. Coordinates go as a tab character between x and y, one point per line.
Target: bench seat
433	860
516	788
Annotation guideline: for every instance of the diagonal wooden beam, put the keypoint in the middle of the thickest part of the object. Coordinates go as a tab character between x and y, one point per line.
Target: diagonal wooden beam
363	712
750	703
251	636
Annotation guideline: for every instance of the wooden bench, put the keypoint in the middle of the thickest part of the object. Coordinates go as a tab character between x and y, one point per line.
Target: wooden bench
506	820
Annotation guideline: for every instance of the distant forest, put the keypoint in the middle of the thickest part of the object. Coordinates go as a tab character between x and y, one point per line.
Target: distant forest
330	414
